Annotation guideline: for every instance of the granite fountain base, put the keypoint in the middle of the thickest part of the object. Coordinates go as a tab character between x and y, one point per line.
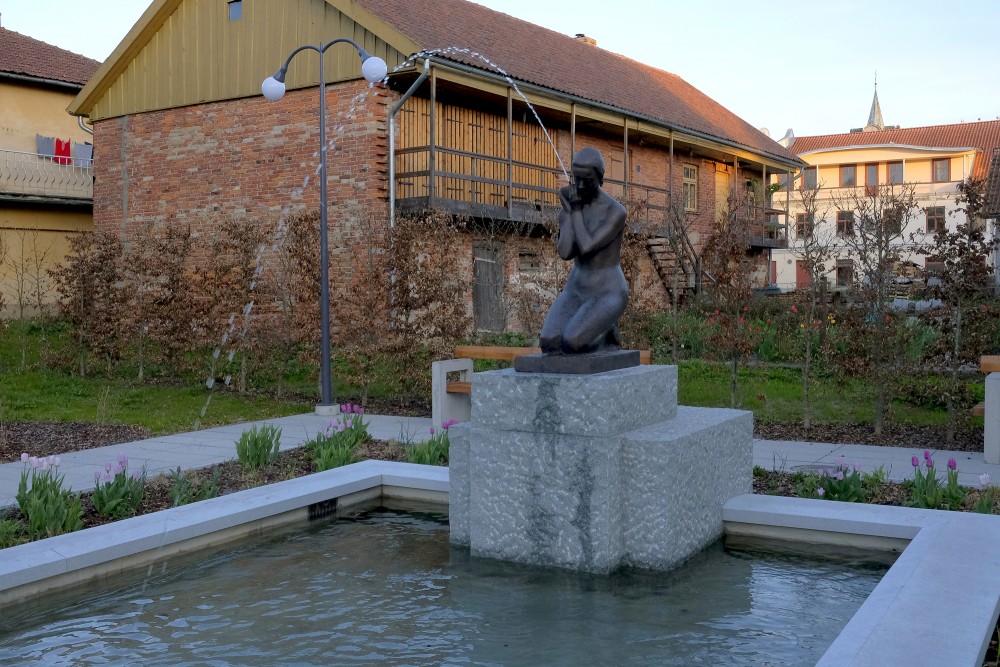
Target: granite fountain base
593	472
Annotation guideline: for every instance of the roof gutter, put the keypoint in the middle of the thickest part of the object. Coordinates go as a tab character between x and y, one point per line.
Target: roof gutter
608	107
47	82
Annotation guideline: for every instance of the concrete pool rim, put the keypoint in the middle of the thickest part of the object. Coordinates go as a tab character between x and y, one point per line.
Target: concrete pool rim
938	604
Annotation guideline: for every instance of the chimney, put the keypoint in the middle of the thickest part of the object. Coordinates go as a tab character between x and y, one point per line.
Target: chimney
586	40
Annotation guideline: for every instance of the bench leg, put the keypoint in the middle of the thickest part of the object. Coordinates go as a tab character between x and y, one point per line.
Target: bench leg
445	406
991	420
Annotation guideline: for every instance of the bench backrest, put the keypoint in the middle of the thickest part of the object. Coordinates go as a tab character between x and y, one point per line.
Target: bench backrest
510	353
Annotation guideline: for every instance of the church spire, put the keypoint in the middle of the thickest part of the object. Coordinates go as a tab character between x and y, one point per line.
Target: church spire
875	121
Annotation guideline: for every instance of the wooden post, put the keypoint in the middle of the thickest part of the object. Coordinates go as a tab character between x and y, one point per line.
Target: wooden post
625	159
572	130
510	153
433	137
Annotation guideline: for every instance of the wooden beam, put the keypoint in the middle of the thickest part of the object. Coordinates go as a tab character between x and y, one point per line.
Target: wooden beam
510	151
990	364
433	135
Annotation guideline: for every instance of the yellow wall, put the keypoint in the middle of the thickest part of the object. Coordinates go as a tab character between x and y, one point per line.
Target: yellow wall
29	110
31	242
34	238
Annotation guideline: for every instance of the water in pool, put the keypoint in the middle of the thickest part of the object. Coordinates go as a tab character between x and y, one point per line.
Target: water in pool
385	588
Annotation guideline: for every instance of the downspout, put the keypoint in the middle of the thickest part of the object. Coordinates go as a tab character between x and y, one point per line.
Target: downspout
392	139
83	126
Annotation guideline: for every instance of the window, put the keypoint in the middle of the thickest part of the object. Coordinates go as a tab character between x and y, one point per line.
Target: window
845	272
871	179
848	175
781	180
895	170
941	170
935	219
803	226
690	187
529	262
933	266
235	10
845	224
809	178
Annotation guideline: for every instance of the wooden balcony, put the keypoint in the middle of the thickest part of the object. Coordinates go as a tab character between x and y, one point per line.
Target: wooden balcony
486	186
28	176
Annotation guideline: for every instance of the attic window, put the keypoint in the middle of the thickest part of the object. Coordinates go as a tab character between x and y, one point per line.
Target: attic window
235	10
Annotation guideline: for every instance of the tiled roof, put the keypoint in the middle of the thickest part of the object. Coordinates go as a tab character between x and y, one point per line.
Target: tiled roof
540	56
22	55
992	208
984	136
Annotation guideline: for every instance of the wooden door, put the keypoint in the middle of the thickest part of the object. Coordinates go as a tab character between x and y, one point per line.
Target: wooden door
802	279
487	286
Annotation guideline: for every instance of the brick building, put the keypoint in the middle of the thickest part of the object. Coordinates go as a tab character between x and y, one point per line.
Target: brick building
182	132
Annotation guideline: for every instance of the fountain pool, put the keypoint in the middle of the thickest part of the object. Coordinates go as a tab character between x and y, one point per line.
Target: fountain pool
385	588
938	604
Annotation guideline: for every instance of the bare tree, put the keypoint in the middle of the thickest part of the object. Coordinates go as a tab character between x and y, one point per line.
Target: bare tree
871	221
729	270
962	276
814	248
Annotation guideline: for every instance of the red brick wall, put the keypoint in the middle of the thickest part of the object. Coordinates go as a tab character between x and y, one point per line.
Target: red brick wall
246	158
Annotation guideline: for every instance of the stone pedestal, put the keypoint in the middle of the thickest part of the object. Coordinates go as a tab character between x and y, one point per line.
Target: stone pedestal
991	420
593	472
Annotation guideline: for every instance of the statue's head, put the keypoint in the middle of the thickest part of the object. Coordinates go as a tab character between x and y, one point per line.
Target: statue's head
590	158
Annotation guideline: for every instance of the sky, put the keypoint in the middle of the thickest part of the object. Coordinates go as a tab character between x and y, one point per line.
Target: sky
809	66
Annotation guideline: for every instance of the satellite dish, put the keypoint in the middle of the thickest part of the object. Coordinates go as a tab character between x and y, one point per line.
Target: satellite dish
788	139
766	132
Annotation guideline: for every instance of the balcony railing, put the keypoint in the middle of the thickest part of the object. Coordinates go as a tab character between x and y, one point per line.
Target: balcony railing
495	187
32	175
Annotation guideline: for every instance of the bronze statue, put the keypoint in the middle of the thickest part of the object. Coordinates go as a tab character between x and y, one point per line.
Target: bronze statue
584	317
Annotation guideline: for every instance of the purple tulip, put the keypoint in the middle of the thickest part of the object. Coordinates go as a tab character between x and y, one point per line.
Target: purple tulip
927	454
915	462
952	464
122	460
929	462
361	410
24	457
432	430
97	477
107	477
820	491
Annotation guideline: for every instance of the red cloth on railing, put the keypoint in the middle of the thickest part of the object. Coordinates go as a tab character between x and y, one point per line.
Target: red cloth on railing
63	152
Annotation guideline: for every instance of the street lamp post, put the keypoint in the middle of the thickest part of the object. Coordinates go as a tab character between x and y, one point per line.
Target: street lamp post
373	69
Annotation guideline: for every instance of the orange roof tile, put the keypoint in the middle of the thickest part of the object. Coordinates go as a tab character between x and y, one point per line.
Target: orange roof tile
984	136
25	56
540	56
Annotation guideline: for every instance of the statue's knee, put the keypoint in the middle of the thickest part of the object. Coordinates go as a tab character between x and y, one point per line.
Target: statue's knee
552	343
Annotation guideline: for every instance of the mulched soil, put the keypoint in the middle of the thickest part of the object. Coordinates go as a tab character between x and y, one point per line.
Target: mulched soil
893	435
45	438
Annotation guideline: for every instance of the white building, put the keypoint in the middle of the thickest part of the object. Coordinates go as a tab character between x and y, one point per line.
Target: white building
934	159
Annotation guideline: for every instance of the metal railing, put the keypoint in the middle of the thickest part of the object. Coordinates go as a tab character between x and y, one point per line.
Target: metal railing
31	174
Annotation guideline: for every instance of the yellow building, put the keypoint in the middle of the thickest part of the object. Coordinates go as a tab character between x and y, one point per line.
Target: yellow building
46	188
933	159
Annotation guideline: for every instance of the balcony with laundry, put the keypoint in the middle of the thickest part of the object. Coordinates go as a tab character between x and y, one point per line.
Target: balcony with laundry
58	172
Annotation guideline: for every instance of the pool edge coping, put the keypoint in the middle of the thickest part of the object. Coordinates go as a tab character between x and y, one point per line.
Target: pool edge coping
938	604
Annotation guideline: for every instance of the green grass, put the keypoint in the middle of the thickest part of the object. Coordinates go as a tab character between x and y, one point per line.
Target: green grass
32	389
47	395
775	394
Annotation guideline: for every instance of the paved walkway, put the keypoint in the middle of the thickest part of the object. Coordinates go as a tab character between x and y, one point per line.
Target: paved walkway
198	449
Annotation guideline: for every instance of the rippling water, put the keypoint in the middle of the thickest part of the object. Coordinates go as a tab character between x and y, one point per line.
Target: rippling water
386	589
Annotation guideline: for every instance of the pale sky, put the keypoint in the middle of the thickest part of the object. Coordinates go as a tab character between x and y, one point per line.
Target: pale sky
807	65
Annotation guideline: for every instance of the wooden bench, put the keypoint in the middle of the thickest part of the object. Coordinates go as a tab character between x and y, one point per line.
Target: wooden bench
990	408
450	399
987	364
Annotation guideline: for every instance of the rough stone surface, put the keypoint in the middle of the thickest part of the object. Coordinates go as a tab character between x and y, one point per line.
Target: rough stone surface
577	364
546	499
991	422
679	475
599	405
554	471
460	477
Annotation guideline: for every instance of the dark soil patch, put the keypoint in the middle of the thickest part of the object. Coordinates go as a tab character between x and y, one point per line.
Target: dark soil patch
46	438
893	435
